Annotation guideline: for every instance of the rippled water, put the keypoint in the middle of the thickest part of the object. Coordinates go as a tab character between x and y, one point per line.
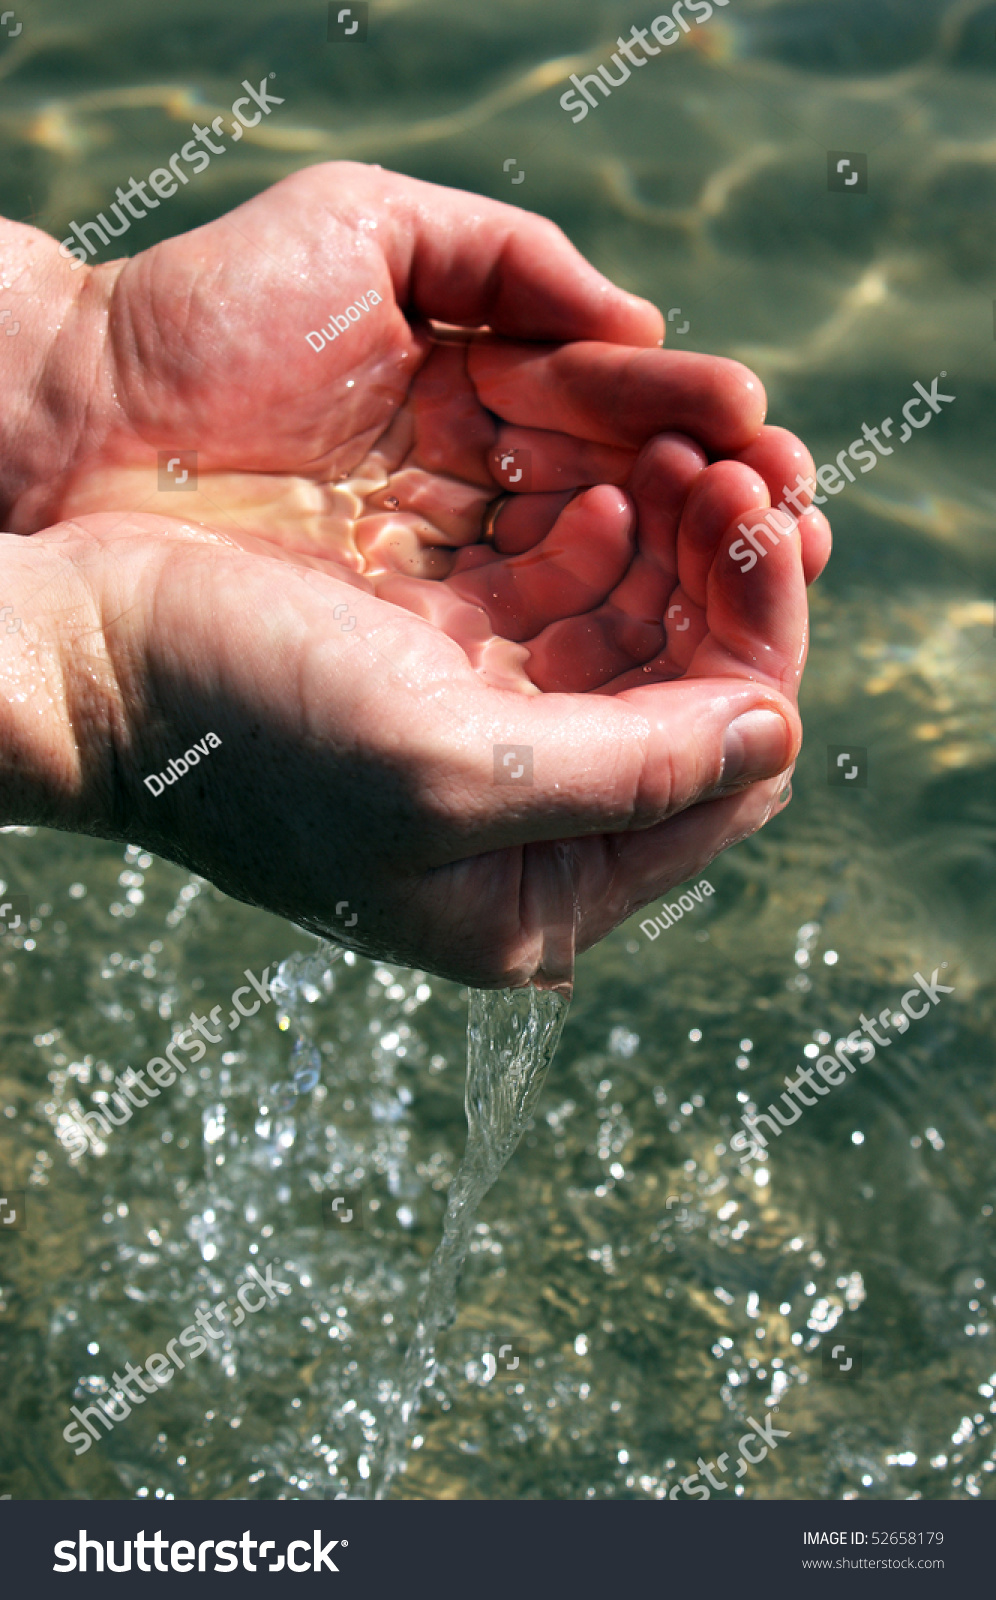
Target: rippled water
664	1291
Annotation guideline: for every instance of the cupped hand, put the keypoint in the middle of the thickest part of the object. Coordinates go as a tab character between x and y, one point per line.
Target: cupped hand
362	773
323	602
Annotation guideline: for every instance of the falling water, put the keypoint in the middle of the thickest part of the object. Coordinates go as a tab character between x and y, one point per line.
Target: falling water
300	981
512	1037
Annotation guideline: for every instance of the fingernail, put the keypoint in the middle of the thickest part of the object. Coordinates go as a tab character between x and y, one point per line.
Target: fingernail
755	746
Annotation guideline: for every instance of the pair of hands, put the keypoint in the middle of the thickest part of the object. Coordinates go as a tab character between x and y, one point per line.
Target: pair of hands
323	601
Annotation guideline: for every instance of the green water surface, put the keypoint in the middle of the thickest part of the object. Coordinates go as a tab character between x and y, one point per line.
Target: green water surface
661	1291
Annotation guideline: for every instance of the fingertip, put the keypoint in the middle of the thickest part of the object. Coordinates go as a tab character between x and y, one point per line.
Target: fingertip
782	460
715	399
757	744
568	298
747	402
641	323
774	440
670	457
722	493
757	597
817	543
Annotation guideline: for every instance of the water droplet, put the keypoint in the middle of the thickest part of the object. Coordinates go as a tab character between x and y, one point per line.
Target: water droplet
392	501
306	1066
282	1096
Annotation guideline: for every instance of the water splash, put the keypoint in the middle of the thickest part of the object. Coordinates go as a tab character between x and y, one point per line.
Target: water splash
300	981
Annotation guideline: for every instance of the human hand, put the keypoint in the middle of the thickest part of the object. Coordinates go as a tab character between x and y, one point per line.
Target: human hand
378	452
435	799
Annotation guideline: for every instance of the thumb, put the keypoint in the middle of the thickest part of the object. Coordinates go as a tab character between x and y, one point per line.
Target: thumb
566	766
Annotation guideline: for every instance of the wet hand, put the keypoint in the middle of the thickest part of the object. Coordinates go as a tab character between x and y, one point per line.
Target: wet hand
327	606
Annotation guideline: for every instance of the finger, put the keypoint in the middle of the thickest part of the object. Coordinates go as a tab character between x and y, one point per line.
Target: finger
685	627
580	654
618	876
606	765
525	519
659	483
533	906
537	460
817	542
787	468
584	653
617	396
453	432
784	463
728	491
756	608
724	492
755	624
666	470
571	570
598	651
464	259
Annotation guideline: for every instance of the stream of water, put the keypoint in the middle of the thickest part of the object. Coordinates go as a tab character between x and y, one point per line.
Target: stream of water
512	1036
